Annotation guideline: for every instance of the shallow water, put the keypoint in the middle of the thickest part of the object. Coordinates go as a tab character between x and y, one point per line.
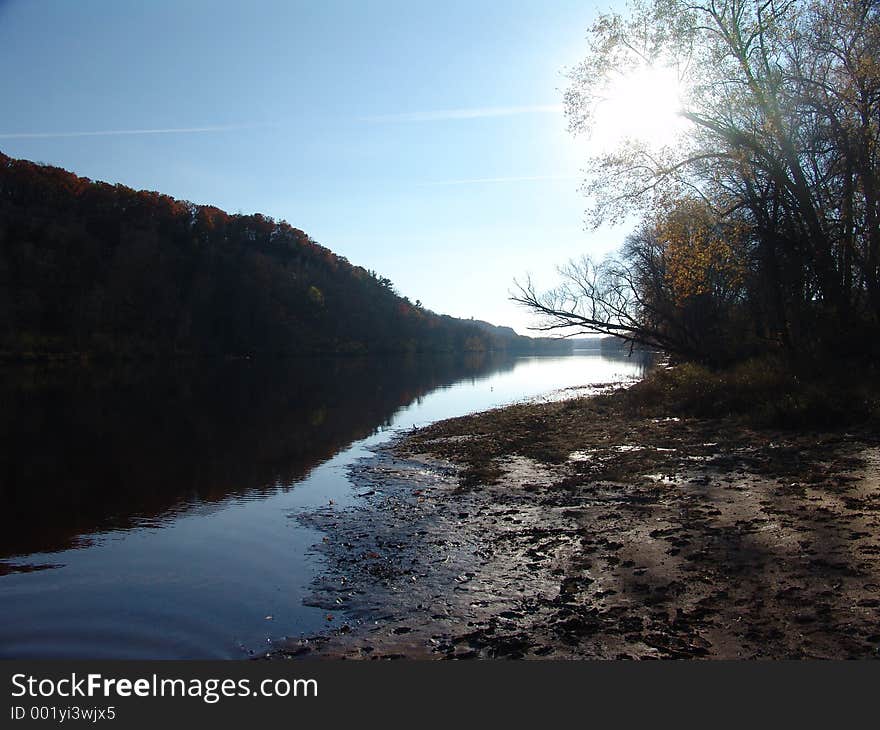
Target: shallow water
148	514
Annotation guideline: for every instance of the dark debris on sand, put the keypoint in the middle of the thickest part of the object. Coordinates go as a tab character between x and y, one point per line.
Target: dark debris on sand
576	529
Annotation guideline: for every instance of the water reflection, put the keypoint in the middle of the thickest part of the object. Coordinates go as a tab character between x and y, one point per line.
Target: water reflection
175	490
88	450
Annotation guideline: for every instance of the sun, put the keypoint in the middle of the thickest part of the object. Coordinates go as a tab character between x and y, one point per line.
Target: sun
642	105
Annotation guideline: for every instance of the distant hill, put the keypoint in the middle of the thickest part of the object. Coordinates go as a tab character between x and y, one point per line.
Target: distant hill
90	268
585	343
520	343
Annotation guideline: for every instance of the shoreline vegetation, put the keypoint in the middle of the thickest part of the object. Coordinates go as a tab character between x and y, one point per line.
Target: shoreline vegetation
696	514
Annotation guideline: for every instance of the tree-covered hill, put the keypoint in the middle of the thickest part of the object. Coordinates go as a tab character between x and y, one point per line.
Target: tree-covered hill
97	269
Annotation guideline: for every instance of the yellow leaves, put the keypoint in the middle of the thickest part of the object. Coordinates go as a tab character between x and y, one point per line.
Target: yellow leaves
701	254
866	68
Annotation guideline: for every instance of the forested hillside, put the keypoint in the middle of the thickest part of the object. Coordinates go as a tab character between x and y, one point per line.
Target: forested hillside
96	269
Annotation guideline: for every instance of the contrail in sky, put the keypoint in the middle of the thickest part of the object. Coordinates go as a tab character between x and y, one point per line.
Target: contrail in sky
472	113
124	132
480	180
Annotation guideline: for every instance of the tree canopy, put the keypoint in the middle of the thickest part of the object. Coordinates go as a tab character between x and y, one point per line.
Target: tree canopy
762	214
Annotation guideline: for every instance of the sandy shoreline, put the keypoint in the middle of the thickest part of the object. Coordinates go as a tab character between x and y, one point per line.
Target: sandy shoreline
578	529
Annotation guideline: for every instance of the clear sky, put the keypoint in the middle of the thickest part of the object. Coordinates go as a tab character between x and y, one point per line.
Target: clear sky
424	140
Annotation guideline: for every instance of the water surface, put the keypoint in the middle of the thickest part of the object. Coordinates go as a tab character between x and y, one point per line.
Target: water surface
147	513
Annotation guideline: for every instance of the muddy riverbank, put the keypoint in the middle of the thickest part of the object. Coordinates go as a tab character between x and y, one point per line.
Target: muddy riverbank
587	528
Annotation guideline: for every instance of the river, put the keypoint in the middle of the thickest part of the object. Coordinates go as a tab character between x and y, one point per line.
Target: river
147	513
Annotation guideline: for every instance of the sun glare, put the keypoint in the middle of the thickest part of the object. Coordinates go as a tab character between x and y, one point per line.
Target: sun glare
641	106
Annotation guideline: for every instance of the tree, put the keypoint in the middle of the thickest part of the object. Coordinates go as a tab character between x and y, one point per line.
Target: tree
677	285
779	150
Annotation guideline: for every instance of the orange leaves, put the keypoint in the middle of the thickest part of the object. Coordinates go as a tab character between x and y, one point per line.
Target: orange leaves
702	254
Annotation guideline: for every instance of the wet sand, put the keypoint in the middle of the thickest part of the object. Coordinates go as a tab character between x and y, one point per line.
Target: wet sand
585	529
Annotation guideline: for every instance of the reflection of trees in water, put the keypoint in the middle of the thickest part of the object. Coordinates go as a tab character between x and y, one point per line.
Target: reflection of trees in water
87	450
613	348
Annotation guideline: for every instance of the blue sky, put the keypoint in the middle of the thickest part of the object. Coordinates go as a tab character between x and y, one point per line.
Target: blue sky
423	140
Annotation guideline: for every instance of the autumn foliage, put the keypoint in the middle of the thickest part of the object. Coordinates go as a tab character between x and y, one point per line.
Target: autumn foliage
96	269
